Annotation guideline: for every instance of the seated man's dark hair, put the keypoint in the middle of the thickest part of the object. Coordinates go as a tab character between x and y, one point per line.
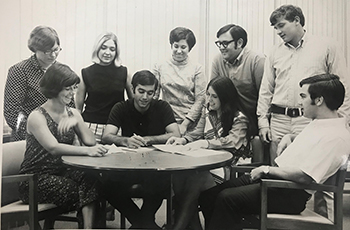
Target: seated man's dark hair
327	86
236	32
144	77
288	12
56	78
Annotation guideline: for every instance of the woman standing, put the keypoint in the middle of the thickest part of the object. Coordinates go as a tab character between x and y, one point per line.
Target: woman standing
181	81
51	129
22	93
103	84
223	125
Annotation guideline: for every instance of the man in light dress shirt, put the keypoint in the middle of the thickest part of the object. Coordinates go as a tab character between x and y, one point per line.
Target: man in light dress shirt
315	154
299	56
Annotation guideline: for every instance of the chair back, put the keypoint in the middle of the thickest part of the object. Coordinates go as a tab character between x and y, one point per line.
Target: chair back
12	157
338	197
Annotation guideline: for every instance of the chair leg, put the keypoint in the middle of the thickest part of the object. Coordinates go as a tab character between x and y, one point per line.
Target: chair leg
122	221
49	224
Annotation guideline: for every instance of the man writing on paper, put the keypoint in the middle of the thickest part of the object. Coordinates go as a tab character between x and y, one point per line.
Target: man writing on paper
143	121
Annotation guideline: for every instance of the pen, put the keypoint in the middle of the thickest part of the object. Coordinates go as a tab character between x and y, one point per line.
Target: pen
140	139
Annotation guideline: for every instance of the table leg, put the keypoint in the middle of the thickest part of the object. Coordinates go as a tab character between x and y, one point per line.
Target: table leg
169	202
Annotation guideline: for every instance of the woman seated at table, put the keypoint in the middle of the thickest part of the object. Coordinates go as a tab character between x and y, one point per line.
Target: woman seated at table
51	129
223	125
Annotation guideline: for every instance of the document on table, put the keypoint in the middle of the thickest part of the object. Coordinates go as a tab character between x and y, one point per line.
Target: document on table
185	150
114	149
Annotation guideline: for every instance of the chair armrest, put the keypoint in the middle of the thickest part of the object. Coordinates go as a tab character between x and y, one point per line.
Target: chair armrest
242	168
245	168
33	200
273	183
18	178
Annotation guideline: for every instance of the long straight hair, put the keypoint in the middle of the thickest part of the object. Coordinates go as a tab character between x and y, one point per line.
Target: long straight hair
229	100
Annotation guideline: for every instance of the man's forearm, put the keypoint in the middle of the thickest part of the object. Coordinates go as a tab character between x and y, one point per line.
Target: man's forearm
114	139
159	139
291	174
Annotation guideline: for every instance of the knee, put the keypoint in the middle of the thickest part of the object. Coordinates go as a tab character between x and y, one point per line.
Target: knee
227	199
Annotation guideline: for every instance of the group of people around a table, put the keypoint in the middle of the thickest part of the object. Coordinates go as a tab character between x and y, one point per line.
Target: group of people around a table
290	99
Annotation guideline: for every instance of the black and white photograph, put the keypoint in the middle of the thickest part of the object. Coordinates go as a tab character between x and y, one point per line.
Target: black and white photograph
175	114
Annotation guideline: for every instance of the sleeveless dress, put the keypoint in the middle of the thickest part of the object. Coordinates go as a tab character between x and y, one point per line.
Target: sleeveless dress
105	86
57	184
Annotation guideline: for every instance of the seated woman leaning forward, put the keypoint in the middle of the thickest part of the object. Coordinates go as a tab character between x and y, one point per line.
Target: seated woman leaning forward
223	125
51	130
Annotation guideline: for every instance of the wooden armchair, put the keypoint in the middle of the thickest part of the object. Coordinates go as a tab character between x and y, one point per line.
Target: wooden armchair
308	219
13	210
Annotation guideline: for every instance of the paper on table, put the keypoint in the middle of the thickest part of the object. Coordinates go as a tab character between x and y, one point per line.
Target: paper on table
184	150
114	149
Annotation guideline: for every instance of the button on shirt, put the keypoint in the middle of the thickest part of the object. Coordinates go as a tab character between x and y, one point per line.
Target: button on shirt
287	66
246	73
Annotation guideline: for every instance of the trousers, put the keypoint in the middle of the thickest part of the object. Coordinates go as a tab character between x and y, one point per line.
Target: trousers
118	188
224	205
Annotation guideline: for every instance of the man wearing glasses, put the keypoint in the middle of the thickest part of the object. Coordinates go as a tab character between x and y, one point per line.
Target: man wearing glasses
243	66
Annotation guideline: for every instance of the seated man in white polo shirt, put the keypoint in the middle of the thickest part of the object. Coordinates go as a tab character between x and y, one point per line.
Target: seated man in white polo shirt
314	155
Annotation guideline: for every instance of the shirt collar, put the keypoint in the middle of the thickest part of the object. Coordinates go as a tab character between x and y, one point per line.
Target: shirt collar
150	108
331	122
238	60
300	44
35	62
184	62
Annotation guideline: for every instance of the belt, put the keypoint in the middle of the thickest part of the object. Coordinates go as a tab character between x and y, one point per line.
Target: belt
292	112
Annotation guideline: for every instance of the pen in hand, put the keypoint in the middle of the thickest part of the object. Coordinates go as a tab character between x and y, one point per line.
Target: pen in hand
139	139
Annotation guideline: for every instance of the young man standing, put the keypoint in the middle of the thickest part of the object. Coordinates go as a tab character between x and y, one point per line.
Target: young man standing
243	66
299	56
315	154
143	121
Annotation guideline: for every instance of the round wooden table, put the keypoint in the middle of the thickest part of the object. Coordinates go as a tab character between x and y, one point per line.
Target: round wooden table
150	161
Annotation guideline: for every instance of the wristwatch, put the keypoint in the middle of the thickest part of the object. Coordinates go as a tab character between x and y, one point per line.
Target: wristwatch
266	170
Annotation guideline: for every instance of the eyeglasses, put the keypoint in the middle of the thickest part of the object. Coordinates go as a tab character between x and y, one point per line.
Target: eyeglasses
50	52
223	44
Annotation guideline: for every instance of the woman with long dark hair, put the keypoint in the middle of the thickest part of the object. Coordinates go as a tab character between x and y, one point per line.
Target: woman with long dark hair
223	125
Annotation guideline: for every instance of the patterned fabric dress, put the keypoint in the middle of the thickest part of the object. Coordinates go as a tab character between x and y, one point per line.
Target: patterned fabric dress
57	184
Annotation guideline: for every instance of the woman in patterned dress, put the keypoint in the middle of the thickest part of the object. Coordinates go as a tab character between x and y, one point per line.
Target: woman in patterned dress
22	93
181	81
223	125
103	84
51	129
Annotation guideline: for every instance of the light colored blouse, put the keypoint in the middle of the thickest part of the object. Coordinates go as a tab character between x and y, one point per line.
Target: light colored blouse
183	86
